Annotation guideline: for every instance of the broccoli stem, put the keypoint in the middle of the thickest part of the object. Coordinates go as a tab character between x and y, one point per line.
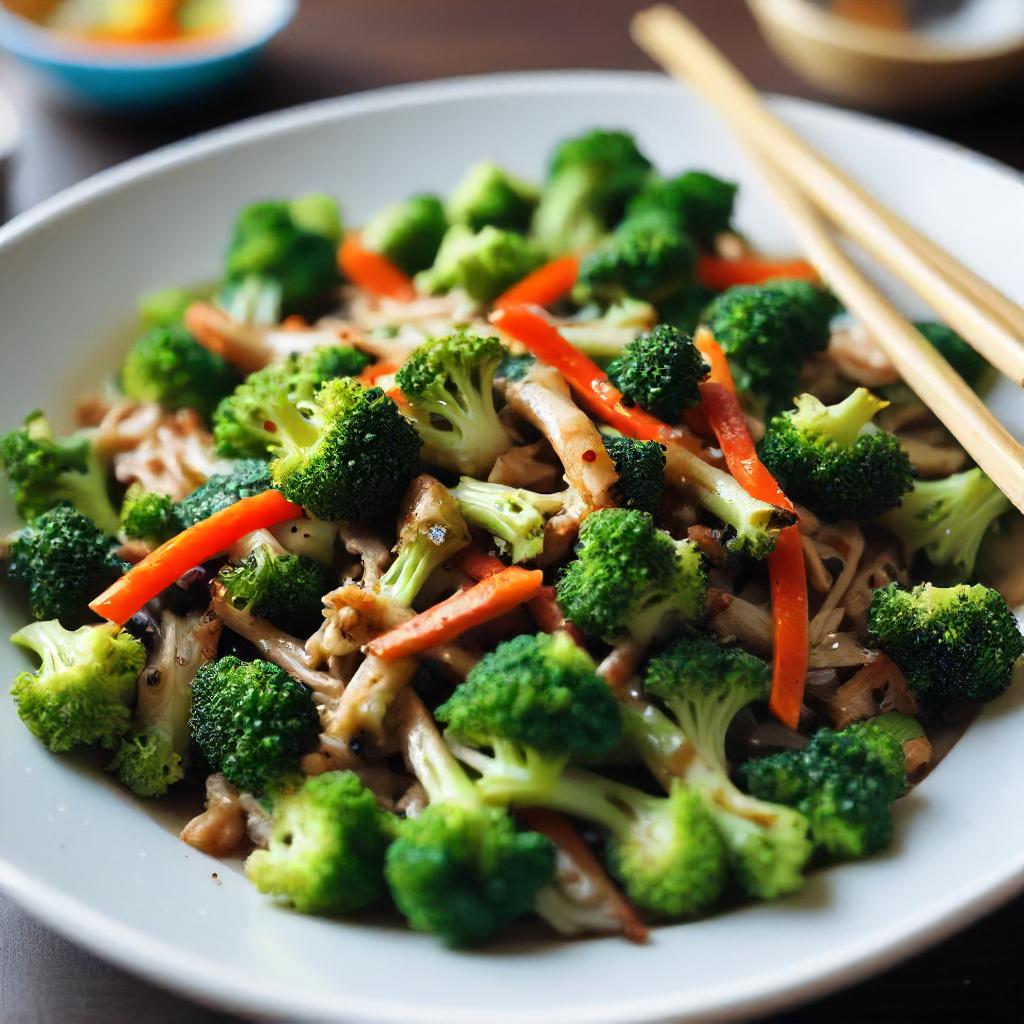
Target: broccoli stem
254	300
409	571
843	423
431	760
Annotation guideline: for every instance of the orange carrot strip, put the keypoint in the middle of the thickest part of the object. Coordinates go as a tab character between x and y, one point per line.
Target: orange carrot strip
487	600
719	273
372	272
159	569
561	832
544	286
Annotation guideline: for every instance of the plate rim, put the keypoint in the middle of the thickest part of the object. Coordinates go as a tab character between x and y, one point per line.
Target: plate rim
172	968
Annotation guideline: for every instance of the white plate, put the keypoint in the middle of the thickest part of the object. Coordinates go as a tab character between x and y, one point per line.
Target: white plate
109	872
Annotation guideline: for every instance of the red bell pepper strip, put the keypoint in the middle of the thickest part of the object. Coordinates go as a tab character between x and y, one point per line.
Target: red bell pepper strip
487	600
720	273
786	572
159	569
544	286
372	272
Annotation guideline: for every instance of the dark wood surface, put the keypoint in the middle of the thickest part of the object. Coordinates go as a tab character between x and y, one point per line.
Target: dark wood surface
341	46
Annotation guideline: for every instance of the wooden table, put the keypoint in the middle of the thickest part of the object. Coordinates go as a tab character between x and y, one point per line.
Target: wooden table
340	46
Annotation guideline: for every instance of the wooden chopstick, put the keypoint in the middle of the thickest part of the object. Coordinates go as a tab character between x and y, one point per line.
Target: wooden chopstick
924	370
987	319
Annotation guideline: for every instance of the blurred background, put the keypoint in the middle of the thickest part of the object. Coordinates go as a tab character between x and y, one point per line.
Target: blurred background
91	83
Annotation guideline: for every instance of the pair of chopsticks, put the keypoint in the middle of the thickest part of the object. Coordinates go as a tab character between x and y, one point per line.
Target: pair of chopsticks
810	188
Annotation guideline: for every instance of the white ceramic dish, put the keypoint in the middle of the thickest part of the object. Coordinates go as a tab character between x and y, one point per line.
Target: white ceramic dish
109	872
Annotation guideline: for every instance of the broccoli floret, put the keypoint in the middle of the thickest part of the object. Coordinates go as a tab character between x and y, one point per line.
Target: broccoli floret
483	263
631	579
45	471
461	870
286	589
661	372
768	330
252	721
514	516
64	562
408	233
695	203
327	844
842	782
704	686
685	309
514	367
148	516
82	691
448	383
244	425
641	469
489	195
169	367
155	754
969	364
948	518
590	180
640	261
347	454
248	477
165	308
834	460
605	336
952	643
281	259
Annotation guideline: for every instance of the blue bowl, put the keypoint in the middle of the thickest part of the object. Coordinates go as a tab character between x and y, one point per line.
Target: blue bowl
136	77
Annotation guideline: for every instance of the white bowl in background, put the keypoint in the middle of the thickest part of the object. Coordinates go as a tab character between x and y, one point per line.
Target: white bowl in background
109	871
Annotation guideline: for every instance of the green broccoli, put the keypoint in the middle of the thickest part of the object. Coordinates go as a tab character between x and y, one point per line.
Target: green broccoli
148	516
331	453
252	721
590	180
408	233
155	754
327	844
166	308
83	690
461	870
661	372
969	364
244	425
685	309
952	643
639	261
169	367
834	460
948	518
483	263
45	471
695	203
248	477
631	579
282	258
767	331
842	782
448	384
489	195
64	562
431	531
537	703
513	516
641	469
704	686
286	589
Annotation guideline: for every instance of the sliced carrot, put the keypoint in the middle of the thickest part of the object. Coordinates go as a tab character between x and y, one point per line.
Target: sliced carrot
372	272
158	570
544	286
487	600
719	273
561	832
372	373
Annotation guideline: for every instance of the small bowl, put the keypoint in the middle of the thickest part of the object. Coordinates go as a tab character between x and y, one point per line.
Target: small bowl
894	70
126	77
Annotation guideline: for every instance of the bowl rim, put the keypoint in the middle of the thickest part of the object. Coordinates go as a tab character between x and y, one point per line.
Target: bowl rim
27	40
805	18
166	964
